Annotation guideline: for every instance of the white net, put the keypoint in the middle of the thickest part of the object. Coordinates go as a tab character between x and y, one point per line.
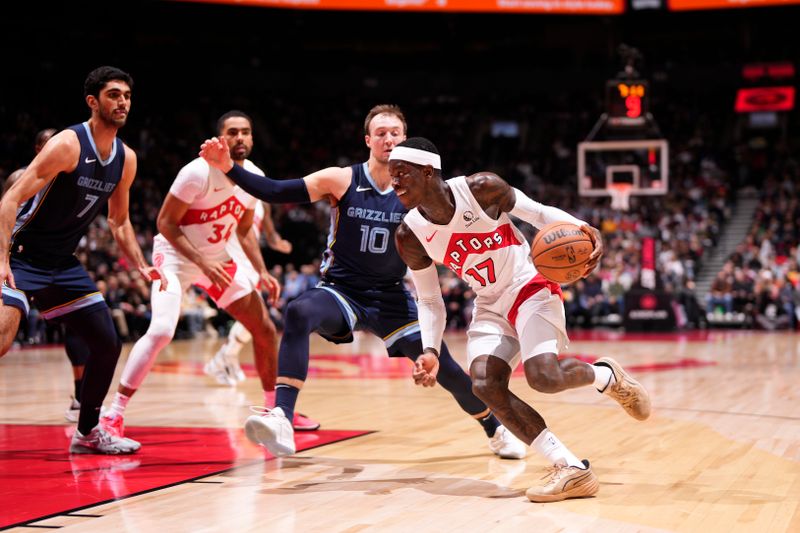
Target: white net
620	196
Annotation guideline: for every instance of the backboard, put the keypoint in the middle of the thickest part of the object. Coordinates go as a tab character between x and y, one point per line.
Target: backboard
643	164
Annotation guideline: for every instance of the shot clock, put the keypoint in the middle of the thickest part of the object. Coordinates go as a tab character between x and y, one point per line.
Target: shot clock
626	102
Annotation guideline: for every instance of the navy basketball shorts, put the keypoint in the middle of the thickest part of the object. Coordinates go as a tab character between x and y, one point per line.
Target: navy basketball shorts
56	291
391	314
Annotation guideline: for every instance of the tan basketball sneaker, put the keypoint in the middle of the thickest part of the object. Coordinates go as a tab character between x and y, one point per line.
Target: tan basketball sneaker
565	482
627	391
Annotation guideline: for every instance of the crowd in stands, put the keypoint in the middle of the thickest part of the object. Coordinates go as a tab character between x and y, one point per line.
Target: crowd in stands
760	280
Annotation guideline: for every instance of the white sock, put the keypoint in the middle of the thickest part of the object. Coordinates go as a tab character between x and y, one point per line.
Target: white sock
554	450
603	377
119	404
237	338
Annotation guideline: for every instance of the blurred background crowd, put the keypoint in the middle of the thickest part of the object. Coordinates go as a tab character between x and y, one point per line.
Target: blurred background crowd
726	232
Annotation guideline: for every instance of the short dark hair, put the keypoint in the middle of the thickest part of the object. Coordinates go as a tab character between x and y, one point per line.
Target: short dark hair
230	114
420	143
99	77
389	109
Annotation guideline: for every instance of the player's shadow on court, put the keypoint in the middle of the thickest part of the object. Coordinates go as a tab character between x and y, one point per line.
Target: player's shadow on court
342	475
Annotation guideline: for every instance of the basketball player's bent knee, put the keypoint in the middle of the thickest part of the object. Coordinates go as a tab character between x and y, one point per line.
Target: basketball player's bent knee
490	389
488	392
296	316
544	374
160	331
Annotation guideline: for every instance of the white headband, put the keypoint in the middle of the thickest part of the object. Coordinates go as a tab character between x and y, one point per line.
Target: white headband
417	156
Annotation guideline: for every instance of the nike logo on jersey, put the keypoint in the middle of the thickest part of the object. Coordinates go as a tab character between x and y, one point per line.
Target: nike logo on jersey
87	160
363	189
218	189
429	239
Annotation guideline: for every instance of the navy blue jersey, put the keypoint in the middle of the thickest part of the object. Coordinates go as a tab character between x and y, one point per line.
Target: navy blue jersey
361	252
50	224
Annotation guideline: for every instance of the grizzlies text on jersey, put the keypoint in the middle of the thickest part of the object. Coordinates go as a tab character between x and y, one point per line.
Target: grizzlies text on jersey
49	227
367	218
50	224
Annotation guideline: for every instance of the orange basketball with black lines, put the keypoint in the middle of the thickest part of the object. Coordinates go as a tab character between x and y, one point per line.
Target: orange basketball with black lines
560	251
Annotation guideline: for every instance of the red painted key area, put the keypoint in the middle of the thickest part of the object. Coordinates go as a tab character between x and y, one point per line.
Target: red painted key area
38	478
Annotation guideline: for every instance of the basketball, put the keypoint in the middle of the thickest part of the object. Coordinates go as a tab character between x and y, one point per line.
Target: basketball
560	251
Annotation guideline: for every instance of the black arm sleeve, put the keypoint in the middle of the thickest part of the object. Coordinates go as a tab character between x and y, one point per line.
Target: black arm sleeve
274	191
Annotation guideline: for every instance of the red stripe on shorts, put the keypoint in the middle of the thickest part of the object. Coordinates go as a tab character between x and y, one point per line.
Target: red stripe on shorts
215	291
537	283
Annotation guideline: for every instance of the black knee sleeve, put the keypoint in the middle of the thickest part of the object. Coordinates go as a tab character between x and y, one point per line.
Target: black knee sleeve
314	310
76	348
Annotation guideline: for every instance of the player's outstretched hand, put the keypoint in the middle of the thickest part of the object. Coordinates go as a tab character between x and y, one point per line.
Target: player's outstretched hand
425	370
272	286
153	273
597	242
216	153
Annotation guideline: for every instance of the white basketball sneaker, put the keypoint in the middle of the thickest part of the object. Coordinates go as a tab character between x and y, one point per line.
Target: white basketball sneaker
504	444
101	441
113	423
234	369
217	368
271	429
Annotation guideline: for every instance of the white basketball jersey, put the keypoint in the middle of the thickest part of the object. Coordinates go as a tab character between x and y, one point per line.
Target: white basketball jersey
216	205
492	256
235	247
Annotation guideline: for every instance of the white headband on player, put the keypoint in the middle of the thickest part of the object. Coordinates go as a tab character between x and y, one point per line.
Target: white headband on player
416	156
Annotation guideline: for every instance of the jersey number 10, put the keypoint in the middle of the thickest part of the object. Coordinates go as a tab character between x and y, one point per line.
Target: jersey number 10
374	240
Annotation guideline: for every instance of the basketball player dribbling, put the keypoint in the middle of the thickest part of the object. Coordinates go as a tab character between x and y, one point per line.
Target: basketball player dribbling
362	281
463	223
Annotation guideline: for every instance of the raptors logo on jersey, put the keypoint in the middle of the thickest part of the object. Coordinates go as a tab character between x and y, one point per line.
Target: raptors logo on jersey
216	206
462	245
492	256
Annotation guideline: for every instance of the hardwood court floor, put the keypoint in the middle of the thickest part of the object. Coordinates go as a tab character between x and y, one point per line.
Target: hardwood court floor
721	451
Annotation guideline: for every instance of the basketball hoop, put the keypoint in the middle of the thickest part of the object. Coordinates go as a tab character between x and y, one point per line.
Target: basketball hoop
620	195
